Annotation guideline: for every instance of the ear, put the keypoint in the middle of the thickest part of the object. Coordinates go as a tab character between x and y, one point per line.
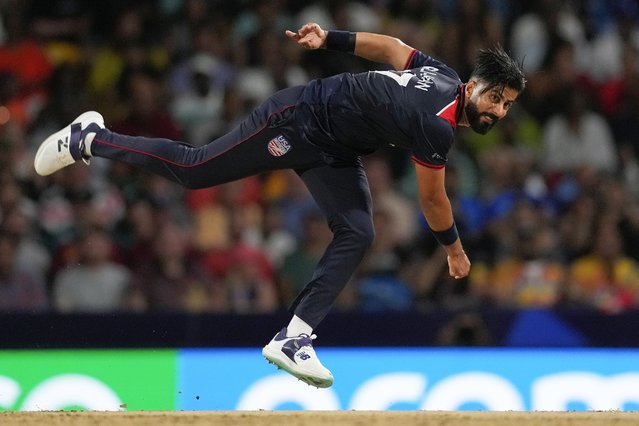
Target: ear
470	88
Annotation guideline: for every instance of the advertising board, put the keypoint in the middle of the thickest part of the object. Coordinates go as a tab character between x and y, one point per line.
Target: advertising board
414	379
365	379
105	380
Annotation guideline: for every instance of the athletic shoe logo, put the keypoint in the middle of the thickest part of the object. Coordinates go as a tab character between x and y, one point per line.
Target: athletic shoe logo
278	146
303	356
63	143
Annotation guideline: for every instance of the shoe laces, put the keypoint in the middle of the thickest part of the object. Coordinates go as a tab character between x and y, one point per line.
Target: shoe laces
306	340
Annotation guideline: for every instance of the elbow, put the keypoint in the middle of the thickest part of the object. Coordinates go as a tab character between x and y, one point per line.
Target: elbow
398	52
432	202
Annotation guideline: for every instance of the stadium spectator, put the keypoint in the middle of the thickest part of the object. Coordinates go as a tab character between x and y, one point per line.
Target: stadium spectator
198	85
560	75
134	234
30	254
529	272
128	47
604	278
56	214
381	279
535	34
295	203
251	290
21	288
96	284
186	24
298	266
173	279
577	225
402	216
615	36
25	69
273	238
577	137
148	114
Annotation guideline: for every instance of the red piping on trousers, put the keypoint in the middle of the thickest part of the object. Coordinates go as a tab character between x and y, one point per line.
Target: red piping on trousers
103	142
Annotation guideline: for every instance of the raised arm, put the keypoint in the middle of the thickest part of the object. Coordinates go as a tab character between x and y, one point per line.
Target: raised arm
374	47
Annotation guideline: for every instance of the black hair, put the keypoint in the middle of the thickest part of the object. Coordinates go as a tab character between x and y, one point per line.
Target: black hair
495	68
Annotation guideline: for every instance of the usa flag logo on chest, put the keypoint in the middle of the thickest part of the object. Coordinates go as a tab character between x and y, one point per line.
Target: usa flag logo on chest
278	146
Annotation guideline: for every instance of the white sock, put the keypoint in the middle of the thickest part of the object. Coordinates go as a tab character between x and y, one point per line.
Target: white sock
297	326
87	144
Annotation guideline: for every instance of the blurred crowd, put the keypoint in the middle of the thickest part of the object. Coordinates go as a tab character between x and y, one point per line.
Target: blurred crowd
547	203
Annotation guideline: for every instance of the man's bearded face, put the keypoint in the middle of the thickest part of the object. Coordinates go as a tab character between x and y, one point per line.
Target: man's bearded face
481	122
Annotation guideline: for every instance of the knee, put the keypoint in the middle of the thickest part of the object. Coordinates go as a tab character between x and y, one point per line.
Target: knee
367	233
358	229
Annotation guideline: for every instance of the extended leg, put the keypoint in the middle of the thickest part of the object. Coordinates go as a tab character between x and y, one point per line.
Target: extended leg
230	157
262	142
266	140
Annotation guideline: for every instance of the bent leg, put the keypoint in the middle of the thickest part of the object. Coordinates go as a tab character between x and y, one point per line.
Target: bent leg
343	194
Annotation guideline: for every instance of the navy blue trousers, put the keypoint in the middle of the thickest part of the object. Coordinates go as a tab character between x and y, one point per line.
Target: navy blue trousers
270	139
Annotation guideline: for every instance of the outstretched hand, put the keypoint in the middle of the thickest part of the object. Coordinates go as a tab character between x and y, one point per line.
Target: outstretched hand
311	36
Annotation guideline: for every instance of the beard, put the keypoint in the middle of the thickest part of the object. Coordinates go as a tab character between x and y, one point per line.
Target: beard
474	119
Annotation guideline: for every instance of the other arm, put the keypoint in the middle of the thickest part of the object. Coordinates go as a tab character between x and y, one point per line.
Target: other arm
439	215
374	47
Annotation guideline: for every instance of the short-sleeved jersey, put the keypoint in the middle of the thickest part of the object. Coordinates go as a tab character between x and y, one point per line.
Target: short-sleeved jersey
417	109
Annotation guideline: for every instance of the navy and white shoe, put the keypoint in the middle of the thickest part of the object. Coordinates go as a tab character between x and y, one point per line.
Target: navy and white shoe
296	356
66	146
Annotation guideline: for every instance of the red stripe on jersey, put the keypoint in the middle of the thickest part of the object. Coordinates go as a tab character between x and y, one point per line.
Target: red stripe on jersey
430	166
449	112
410	59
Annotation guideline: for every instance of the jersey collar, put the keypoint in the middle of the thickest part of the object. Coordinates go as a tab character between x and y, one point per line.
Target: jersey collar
461	96
453	111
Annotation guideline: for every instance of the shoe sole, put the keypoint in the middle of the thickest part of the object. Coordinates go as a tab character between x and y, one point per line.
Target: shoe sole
311	380
83	119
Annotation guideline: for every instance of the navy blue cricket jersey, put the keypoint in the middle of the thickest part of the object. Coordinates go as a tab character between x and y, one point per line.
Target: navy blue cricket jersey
416	109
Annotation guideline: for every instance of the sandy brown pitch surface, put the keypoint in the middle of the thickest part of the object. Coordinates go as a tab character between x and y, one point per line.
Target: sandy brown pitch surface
317	418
